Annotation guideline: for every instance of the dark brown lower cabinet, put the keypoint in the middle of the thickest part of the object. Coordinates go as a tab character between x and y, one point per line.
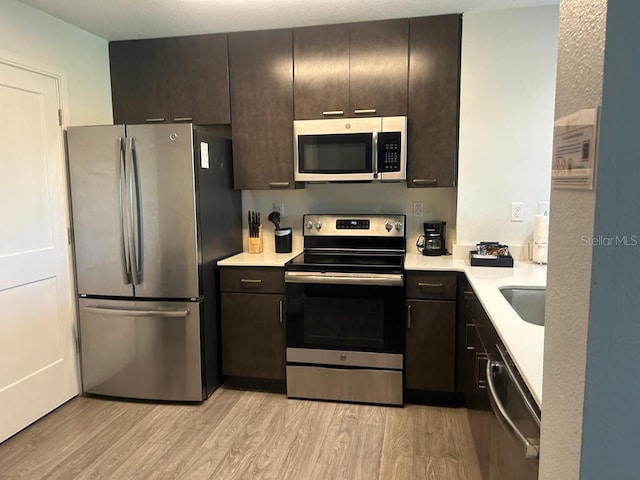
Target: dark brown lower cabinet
430	345
253	336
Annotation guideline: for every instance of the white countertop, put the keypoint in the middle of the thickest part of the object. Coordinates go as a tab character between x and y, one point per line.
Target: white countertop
265	259
524	341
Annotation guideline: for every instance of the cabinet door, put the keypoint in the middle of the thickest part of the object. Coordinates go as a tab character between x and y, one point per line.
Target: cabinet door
321	71
379	67
261	81
139	89
434	101
253	335
198	78
430	345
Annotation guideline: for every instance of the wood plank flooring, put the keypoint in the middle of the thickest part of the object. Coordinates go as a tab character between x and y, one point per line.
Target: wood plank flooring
242	435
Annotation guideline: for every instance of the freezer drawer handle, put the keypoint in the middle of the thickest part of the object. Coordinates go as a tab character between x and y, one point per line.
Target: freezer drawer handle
140	313
530	450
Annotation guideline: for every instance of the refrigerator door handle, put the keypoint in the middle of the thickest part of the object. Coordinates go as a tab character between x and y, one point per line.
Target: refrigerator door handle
140	313
135	238
124	247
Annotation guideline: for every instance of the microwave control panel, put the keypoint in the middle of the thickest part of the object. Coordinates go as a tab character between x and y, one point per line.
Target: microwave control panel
389	152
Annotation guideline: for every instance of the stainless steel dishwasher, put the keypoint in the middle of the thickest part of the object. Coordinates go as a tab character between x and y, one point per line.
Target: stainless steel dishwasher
515	429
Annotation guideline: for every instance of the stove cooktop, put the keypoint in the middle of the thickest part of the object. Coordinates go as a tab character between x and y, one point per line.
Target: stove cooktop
347	261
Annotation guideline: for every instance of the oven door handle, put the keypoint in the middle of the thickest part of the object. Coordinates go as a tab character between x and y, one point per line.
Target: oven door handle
339	278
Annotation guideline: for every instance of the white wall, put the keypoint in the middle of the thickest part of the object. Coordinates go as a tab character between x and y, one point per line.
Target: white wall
37	39
569	279
506	123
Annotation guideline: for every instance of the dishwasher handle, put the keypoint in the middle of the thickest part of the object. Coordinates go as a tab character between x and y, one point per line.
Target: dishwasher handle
530	449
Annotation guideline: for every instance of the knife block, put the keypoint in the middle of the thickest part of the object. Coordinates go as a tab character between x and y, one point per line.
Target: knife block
255	243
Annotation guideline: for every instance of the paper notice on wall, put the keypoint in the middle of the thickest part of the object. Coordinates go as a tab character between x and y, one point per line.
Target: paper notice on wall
574	150
204	155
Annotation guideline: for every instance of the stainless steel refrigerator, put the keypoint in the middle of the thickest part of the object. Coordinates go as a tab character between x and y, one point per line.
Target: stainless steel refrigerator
153	209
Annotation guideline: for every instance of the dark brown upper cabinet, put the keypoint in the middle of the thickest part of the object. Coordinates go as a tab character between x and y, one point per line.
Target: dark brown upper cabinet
261	79
321	71
171	80
351	70
434	101
199	79
138	81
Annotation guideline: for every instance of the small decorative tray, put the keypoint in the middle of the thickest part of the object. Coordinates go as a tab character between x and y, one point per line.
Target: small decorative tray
491	254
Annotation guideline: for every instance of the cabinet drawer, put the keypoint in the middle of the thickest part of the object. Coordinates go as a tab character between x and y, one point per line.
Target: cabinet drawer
431	285
255	280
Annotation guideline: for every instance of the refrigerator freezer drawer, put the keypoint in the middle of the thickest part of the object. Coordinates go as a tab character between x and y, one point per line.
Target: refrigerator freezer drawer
139	349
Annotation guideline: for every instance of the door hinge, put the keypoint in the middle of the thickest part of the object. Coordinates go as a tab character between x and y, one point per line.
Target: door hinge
60	117
69	235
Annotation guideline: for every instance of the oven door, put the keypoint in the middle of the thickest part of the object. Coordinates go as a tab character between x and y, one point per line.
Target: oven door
345	311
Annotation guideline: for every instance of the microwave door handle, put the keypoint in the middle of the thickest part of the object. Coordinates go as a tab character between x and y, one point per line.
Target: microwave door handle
375	154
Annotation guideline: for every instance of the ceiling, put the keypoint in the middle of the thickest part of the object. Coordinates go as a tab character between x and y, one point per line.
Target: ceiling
131	19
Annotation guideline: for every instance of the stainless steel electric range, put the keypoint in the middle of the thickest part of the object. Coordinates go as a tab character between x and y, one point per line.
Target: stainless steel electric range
345	310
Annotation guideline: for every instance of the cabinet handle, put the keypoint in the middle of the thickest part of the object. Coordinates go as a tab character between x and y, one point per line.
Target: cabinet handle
154	120
481	383
469	295
279	184
365	111
281	314
333	113
250	281
466	336
183	119
408	317
430	285
425	181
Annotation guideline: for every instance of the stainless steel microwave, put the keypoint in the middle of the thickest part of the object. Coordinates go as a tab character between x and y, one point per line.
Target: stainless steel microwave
350	149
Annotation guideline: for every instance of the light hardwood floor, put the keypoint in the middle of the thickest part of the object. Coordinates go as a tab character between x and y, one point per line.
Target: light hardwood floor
242	435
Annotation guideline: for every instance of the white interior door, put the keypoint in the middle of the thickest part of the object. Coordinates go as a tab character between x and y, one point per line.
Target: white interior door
38	360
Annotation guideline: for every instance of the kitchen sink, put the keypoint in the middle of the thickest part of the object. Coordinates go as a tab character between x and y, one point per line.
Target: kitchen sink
528	302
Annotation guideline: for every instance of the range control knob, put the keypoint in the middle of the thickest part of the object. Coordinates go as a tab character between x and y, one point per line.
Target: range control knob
318	225
388	226
398	226
309	225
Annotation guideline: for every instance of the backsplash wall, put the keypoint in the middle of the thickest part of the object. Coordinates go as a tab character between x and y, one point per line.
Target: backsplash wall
439	204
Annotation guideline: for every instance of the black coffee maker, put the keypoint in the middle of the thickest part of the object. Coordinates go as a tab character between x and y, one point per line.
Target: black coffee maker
434	233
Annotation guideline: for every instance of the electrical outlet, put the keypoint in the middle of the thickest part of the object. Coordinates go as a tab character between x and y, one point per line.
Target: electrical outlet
418	209
517	211
279	207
